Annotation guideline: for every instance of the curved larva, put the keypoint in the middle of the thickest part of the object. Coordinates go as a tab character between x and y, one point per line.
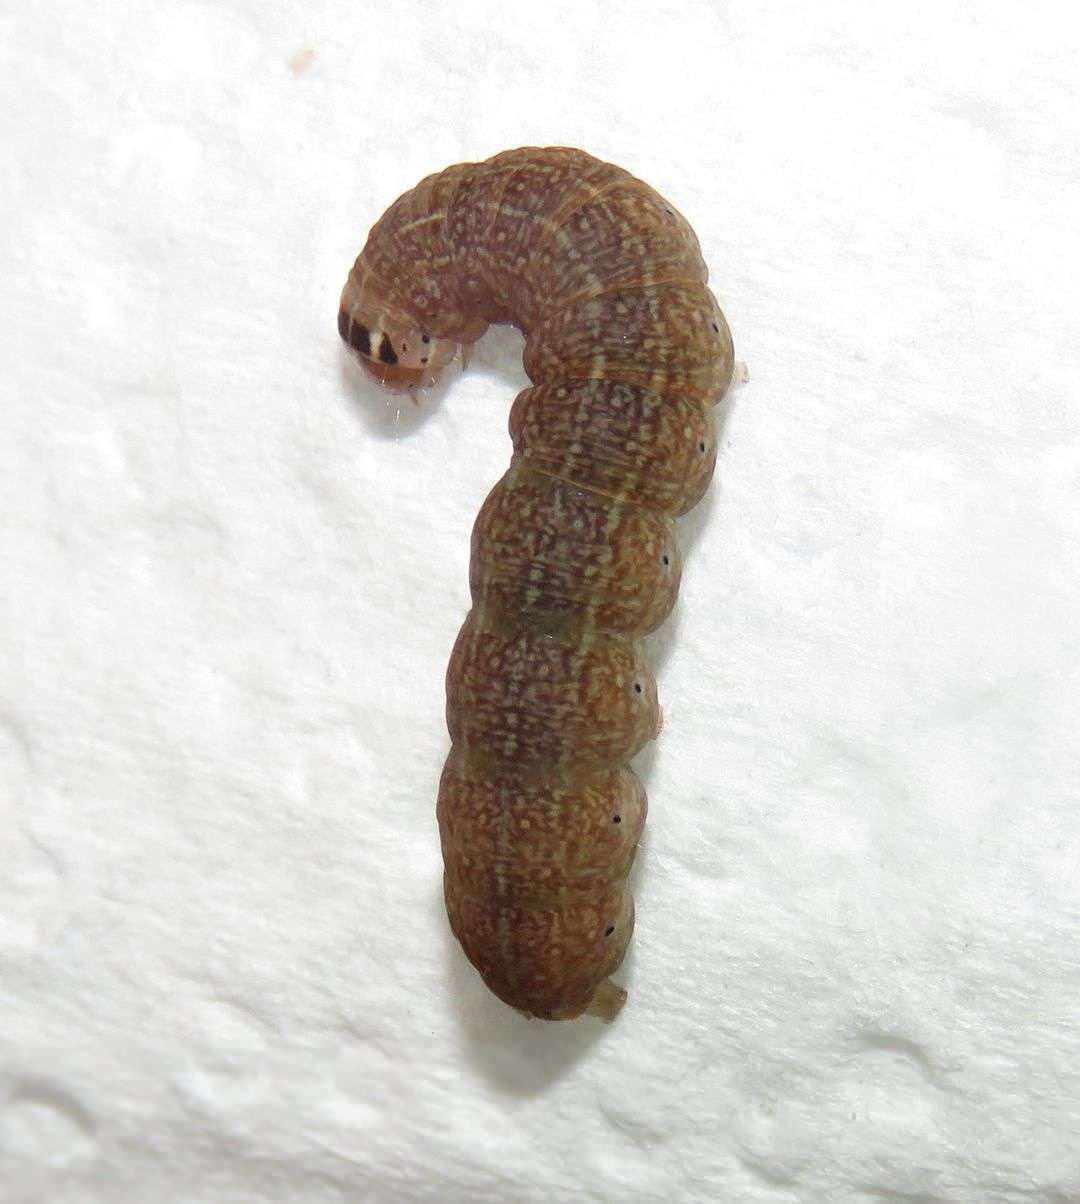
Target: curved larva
574	556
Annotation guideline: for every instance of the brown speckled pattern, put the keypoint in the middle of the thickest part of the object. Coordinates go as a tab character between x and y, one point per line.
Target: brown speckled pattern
574	556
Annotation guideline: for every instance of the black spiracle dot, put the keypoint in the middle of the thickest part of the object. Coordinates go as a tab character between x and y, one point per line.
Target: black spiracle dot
701	447
616	819
425	338
609	930
716	328
665	559
637	687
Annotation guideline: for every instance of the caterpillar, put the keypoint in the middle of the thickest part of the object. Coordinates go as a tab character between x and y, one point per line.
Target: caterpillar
574	555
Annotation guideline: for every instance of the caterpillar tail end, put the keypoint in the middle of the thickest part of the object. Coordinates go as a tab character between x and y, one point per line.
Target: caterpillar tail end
607	1001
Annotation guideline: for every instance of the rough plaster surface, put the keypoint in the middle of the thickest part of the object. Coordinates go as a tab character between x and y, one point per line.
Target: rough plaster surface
231	580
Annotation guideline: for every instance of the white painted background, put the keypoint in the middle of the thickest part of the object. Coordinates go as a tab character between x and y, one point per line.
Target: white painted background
230	583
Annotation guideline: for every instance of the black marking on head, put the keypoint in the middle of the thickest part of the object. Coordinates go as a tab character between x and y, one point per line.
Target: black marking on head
357	336
386	352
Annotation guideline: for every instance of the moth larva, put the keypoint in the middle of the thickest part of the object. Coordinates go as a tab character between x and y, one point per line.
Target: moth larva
574	555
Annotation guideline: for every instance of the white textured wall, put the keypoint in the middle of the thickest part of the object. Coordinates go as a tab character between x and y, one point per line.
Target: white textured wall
230	583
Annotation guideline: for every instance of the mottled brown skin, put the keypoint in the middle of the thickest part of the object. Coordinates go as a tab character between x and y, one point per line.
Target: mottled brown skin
574	556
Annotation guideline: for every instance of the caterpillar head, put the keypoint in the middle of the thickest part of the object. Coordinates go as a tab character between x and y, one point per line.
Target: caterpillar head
396	351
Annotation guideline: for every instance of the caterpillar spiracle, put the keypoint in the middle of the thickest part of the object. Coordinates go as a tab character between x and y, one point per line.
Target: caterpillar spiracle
574	552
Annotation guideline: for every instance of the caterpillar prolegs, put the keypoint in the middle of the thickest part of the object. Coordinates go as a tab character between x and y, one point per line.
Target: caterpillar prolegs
574	554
